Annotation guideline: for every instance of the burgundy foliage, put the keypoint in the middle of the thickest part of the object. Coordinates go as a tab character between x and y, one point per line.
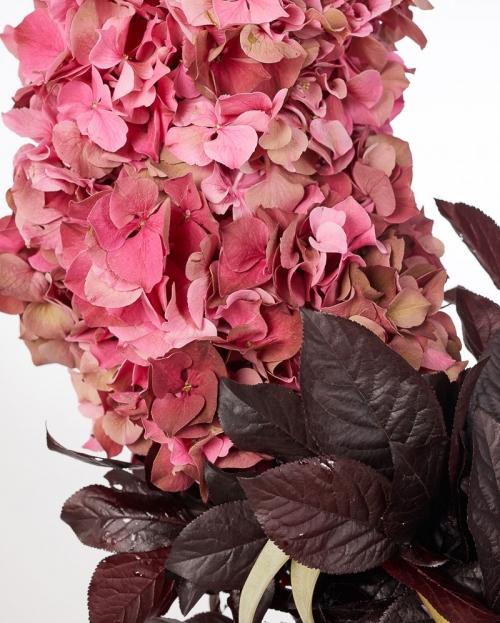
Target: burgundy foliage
385	480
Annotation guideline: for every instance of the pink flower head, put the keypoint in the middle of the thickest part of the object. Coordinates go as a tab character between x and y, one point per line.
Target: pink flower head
200	170
225	131
92	109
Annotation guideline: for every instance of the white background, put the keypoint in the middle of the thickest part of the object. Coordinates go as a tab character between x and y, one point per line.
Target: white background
452	123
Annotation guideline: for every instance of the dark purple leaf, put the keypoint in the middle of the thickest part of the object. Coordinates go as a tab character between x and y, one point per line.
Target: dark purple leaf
418	555
375	585
457	450
223	486
480	320
469	576
130	588
447	394
417	478
55	446
406	609
452	601
327	513
265	418
479	232
487	391
484	502
189	595
124	522
218	549
122	480
359	394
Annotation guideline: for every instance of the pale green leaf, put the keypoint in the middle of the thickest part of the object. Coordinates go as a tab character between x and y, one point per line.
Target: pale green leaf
303	582
267	565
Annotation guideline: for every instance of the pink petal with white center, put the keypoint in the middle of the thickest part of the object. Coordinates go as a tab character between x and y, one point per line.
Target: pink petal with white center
332	134
233	146
107	130
39	43
188	144
90	17
109	236
172	413
103	294
200	112
139	260
109	49
120	429
132	197
75	98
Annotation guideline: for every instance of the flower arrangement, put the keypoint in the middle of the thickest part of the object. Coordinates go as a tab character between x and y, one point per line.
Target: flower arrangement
213	206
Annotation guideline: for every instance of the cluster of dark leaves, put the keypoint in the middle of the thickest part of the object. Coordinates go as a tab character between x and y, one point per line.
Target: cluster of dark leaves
385	480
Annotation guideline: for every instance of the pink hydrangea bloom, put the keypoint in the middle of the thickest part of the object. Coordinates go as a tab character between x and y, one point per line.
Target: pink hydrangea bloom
197	171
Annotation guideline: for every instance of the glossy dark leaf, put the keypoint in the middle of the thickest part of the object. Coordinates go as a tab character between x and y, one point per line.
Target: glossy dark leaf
479	232
480	320
447	394
223	486
327	513
452	601
218	549
484	502
407	609
457	450
122	480
130	588
119	521
55	446
359	394
422	557
469	576
189	595
486	394
417	477
264	418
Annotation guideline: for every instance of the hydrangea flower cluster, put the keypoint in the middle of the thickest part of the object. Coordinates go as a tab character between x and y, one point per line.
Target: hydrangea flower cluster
200	169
